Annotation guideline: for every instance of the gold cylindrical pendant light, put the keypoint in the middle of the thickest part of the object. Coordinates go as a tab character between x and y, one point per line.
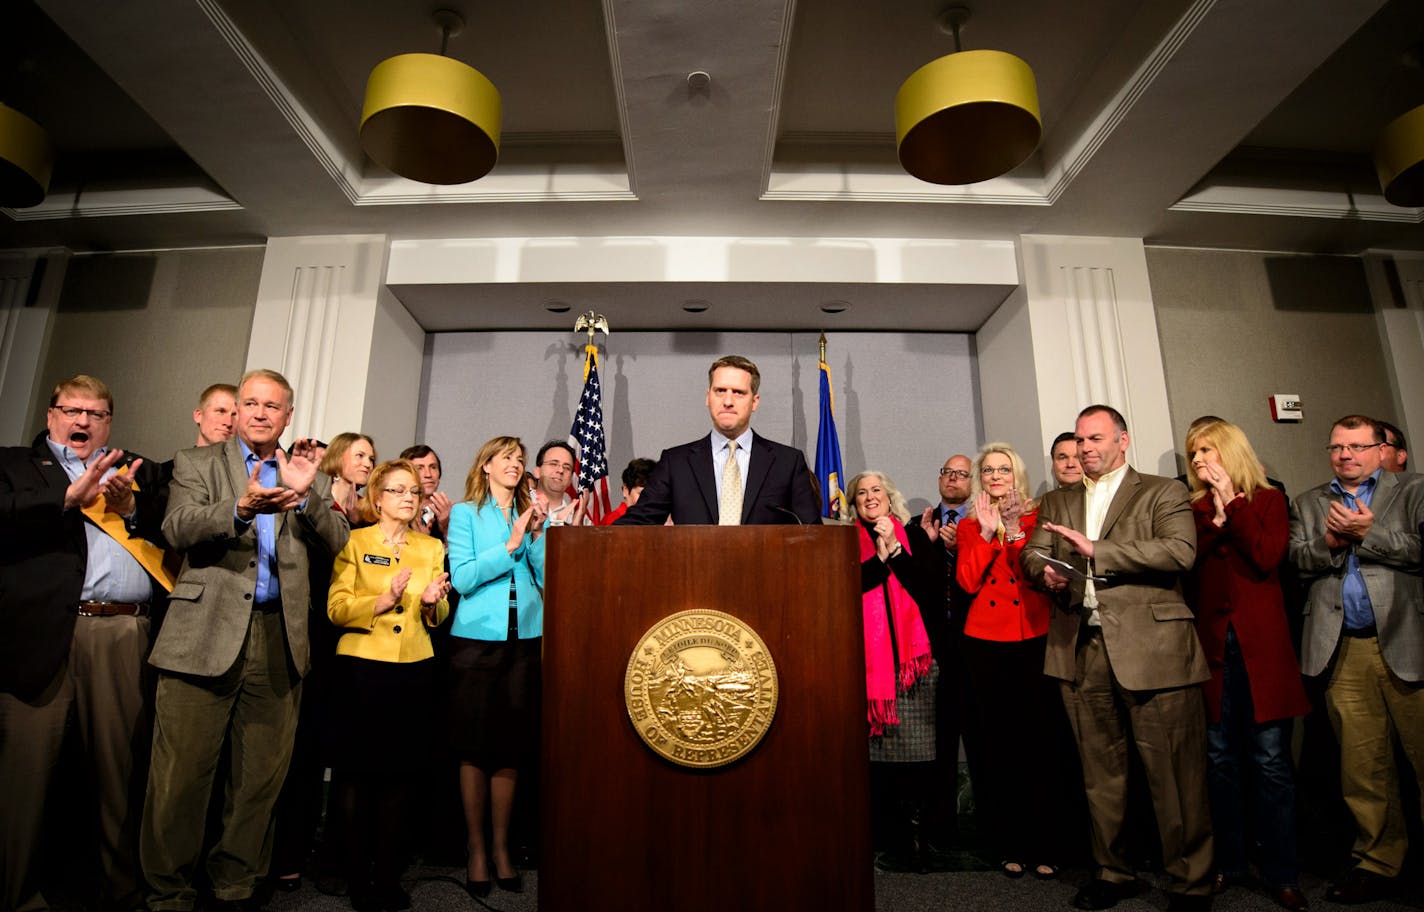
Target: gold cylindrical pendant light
968	116
26	160
431	118
1399	159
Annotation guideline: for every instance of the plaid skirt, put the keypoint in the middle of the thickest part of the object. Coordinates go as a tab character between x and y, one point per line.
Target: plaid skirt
913	740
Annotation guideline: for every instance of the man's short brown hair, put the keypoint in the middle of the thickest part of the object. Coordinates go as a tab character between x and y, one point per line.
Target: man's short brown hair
1354	422
1118	421
740	363
213	390
82	385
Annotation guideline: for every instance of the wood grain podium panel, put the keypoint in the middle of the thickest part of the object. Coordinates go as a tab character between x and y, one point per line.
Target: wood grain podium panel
785	827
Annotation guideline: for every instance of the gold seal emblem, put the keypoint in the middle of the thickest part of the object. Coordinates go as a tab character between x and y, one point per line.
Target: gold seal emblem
701	688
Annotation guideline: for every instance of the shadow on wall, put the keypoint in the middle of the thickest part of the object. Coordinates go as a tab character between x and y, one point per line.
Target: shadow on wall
94	284
1319	284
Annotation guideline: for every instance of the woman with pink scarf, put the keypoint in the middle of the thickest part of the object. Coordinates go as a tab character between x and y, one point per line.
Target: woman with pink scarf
899	670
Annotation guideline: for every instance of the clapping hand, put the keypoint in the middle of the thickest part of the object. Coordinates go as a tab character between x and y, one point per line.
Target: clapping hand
84	490
298	470
987	514
1349	525
257	499
391	597
1074	538
118	490
885	541
530	519
439	504
437	590
1011	511
930	523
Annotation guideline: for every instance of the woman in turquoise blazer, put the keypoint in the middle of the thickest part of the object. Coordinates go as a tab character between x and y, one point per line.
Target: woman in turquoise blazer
497	565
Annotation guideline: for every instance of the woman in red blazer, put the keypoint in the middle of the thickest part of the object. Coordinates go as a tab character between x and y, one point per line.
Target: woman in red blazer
1005	632
1255	687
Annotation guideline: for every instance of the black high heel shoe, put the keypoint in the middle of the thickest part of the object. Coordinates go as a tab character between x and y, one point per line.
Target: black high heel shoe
513	884
479	889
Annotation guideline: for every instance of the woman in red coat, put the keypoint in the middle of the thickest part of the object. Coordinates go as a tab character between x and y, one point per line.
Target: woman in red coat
1005	632
1255	687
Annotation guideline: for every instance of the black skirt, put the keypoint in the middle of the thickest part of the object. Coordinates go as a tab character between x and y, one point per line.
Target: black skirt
378	715
495	693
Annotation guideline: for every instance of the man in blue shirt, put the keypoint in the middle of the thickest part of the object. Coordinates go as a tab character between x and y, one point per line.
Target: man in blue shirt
251	523
76	605
1355	540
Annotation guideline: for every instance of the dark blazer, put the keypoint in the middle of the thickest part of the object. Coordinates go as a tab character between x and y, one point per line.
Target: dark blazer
211	604
682	486
43	557
1147	543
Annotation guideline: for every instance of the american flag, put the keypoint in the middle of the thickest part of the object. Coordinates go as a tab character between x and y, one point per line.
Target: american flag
586	437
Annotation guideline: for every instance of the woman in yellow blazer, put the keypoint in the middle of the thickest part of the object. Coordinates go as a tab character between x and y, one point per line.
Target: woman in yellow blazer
388	586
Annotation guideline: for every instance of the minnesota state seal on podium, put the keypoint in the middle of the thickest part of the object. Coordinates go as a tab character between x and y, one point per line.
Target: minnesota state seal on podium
701	688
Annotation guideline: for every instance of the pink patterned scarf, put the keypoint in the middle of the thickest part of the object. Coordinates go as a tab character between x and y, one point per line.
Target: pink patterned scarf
882	679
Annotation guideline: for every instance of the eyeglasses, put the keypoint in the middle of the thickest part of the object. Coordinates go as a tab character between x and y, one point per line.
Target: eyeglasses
1001	470
561	466
402	492
1335	449
70	411
953	473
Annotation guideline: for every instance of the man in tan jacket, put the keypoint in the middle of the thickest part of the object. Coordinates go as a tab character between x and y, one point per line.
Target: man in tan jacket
250	522
1123	645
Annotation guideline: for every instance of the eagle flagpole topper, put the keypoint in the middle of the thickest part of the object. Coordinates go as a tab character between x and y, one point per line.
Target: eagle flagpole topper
586	435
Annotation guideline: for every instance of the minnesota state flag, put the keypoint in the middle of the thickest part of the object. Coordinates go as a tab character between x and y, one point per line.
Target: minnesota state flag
828	451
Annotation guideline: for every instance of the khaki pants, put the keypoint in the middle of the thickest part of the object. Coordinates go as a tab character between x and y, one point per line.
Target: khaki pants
1169	729
101	689
1368	705
254	707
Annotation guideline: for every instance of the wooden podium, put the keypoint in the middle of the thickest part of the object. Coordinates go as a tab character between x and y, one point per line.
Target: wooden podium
785	827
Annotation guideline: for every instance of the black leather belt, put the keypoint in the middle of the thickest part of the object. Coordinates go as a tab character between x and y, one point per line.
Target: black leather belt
1360	633
91	609
270	607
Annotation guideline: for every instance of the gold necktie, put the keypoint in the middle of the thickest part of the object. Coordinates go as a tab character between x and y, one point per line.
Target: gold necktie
730	507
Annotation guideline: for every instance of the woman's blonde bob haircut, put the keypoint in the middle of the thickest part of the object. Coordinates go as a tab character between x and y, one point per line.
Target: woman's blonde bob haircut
897	500
1020	473
1238	457
376	486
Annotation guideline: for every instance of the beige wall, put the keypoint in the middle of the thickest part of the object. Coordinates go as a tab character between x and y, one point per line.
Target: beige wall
1239	326
157	328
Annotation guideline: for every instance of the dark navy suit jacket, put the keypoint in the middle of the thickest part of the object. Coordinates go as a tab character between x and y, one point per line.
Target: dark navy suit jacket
682	486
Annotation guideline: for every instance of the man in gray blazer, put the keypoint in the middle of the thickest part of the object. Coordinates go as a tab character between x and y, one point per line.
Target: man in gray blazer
1124	646
233	647
1355	540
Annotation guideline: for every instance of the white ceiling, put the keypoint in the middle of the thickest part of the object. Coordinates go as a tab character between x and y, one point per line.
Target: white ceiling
1217	123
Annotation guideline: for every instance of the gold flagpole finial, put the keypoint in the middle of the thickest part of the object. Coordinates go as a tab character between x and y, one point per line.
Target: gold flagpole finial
591	322
823	346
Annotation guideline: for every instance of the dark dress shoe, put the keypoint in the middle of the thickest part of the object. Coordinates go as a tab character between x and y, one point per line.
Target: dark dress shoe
1359	887
1290	898
1186	902
1098	894
479	889
513	884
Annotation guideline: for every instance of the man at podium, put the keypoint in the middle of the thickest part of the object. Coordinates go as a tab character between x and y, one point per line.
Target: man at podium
731	477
